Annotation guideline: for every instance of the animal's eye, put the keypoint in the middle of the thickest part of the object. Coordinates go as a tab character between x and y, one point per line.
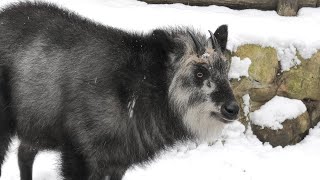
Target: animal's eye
199	74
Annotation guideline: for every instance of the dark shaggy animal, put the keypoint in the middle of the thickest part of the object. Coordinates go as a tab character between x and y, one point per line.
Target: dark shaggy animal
106	98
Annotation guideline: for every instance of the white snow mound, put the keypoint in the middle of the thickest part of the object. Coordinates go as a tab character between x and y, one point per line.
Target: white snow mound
276	111
288	58
239	68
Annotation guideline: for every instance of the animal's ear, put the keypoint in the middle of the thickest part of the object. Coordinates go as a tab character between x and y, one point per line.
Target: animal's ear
219	38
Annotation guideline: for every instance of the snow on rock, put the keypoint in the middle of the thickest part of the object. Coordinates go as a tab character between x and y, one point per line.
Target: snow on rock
288	58
276	111
246	103
305	51
239	68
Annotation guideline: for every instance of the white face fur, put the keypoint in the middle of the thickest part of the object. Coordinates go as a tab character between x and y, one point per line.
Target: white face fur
194	101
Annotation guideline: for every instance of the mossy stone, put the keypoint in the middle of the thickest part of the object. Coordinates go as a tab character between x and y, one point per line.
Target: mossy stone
264	62
263	94
293	131
302	82
241	87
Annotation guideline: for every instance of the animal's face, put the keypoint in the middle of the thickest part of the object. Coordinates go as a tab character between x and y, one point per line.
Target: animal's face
200	91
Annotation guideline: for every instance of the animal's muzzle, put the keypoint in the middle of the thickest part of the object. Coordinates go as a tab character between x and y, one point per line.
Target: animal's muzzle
230	110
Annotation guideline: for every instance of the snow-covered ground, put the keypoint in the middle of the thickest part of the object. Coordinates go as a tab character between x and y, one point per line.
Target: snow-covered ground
239	155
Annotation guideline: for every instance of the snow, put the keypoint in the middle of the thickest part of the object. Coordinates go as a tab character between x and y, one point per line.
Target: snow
288	58
238	154
239	68
276	111
241	156
246	103
46	165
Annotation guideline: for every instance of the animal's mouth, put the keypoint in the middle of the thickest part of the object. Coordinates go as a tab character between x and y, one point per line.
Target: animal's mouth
220	118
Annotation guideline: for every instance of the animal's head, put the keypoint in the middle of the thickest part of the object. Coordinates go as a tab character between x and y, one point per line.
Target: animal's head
200	91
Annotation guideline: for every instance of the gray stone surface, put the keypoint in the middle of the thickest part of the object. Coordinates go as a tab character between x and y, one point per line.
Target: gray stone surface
284	7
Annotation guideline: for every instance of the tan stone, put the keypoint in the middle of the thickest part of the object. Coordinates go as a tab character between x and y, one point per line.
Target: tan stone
293	131
287	7
263	94
265	82
264	66
314	111
254	105
241	87
302	82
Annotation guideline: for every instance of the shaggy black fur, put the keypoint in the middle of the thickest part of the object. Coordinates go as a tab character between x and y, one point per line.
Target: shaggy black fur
97	94
6	123
72	81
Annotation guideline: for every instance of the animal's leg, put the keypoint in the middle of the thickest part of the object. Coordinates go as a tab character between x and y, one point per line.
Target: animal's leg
96	169
97	177
5	134
96	174
6	123
73	165
26	155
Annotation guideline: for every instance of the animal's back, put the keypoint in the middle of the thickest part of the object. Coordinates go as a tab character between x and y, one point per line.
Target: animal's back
58	63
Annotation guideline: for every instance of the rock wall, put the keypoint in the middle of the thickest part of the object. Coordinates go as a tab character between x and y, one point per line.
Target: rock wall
266	81
283	7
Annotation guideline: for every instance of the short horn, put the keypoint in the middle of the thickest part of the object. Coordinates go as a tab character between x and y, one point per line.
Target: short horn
199	48
214	42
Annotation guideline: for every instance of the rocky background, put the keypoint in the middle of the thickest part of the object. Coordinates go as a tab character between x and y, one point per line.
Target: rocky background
283	7
266	81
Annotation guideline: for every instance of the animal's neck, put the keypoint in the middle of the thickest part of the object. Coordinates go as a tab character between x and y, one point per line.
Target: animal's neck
152	126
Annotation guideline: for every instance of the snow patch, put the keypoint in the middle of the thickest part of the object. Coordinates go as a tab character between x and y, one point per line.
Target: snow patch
246	103
288	58
233	130
276	111
239	68
205	55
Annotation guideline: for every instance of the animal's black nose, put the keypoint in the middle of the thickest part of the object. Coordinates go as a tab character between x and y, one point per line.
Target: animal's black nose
230	110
